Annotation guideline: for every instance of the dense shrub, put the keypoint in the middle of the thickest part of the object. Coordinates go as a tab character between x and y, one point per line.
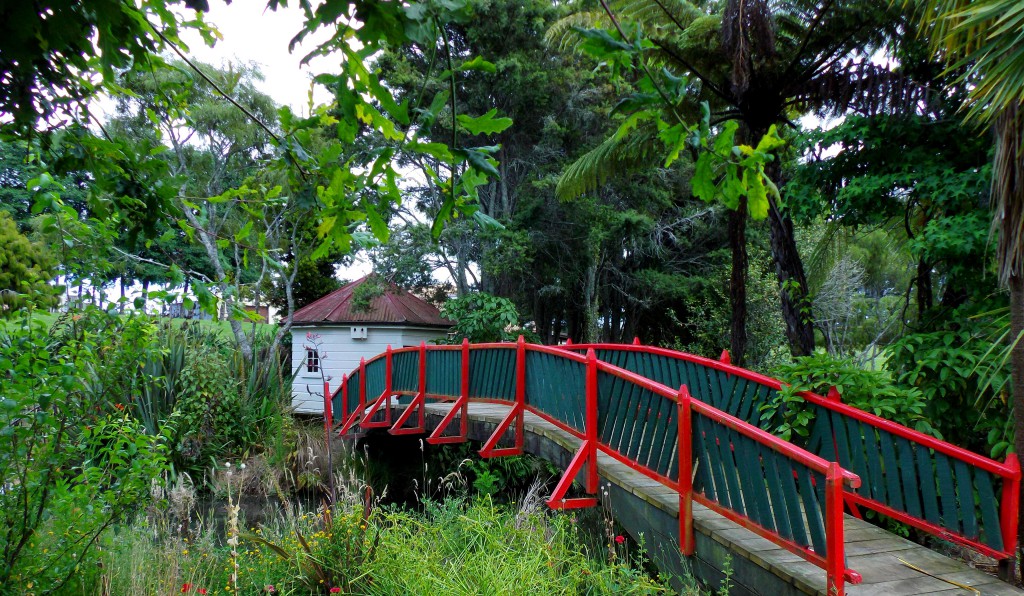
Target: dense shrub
869	390
69	467
962	375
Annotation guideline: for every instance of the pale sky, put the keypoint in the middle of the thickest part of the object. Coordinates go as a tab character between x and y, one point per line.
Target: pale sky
251	33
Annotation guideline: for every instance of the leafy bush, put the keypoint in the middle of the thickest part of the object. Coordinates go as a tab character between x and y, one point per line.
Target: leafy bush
68	468
208	404
484	318
962	380
870	390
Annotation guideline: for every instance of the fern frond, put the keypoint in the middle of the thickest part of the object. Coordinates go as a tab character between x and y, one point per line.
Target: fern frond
613	157
659	14
564	35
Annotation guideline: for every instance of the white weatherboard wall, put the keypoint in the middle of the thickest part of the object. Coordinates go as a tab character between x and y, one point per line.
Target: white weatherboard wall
340	355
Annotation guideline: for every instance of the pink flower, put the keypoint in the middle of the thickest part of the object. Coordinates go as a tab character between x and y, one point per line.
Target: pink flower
269	589
335	590
620	539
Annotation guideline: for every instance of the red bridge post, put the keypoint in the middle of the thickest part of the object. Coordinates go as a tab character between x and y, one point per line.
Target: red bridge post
418	401
586	456
685	439
490	448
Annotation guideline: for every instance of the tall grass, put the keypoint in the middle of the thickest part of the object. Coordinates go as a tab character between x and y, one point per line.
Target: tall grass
452	548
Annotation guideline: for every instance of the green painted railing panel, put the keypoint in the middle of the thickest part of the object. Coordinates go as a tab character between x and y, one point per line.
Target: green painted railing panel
990	533
492	373
909	477
965	493
556	386
444	373
353	396
375	379
638	423
730	393
753	480
405	371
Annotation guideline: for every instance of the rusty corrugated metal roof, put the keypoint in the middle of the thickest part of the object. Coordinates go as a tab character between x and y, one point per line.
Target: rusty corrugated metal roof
395	307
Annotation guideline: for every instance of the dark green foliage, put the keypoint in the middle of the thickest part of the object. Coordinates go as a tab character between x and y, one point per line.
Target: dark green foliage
314	280
183	381
961	373
208	406
938	197
366	292
46	55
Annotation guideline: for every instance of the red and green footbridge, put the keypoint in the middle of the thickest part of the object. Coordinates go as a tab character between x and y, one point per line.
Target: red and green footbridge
676	445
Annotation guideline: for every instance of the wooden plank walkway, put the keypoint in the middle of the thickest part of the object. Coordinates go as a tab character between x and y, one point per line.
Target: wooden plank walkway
760	567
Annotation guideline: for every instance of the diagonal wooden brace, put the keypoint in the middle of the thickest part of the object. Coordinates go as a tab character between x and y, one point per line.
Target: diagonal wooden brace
416	405
586	456
460	407
383	400
491	449
350	422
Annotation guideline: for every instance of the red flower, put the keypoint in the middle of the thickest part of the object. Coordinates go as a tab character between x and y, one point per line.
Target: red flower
201	590
335	590
185	588
620	539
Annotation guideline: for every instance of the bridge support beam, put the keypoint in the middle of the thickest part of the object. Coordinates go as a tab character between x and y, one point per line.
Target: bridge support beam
685	439
383	400
417	402
460	407
586	457
356	415
490	448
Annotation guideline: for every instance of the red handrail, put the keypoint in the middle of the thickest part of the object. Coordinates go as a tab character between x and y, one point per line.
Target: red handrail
1009	471
586	457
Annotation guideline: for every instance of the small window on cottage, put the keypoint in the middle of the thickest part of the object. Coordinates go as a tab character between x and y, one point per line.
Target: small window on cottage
312	361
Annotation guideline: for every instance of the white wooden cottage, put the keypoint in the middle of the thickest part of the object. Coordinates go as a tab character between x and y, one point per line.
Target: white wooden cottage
359	320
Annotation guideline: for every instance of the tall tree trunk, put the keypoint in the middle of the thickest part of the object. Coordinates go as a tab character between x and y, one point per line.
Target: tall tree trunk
1016	284
590	297
796	300
924	287
1008	201
738	282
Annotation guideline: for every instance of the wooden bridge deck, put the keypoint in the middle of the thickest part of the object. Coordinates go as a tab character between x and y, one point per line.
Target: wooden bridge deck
645	506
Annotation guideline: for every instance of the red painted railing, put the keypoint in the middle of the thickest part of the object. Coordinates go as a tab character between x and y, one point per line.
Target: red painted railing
1008	472
515	385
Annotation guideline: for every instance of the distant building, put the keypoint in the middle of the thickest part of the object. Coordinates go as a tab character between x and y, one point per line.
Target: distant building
359	320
